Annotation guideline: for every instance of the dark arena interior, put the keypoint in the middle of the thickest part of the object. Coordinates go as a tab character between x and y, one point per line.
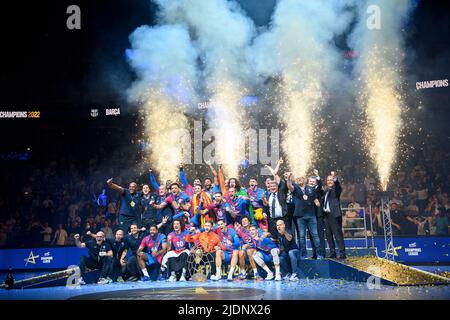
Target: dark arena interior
239	150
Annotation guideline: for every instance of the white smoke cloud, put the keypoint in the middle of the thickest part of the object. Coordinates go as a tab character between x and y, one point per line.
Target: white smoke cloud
165	63
221	33
299	49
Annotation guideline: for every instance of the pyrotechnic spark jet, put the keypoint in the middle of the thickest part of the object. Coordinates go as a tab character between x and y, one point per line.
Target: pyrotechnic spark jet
380	71
297	115
226	122
164	124
301	38
383	113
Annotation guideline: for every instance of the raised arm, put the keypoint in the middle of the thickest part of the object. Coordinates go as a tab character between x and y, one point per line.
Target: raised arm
279	163
153	181
274	172
183	179
337	185
221	180
78	243
289	182
115	186
214	173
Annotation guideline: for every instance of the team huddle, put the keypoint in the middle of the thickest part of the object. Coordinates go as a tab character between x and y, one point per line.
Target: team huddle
247	232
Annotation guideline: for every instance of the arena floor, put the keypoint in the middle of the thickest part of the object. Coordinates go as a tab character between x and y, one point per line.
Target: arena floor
317	289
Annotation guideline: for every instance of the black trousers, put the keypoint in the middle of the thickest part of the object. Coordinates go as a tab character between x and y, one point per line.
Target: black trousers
125	222
103	265
116	269
334	232
132	267
147	222
290	216
321	231
176	264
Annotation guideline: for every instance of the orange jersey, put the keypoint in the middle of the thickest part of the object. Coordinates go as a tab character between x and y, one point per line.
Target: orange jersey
208	241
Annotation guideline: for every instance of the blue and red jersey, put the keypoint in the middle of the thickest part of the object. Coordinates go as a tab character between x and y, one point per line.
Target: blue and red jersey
178	240
256	197
239	206
229	235
220	211
181	197
154	244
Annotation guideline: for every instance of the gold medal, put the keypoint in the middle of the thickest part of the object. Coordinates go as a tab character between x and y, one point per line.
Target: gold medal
132	204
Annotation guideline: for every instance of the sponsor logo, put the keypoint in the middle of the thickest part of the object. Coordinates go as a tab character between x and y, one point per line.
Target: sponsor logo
113	112
413	250
94	113
31	258
47	258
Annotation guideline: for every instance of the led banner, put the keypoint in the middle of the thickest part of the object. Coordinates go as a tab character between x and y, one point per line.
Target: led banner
40	258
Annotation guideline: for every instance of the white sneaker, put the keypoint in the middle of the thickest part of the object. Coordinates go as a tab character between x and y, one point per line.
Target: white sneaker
293	277
81	281
172	279
230	277
216	277
183	279
270	276
102	281
243	275
278	277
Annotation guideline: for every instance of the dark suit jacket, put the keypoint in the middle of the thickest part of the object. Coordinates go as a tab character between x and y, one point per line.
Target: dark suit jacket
281	195
304	207
334	195
320	193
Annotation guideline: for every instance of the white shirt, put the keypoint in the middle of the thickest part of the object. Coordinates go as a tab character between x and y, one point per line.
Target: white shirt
278	208
327	203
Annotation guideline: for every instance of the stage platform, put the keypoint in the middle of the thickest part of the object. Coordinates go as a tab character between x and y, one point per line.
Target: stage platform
304	289
352	278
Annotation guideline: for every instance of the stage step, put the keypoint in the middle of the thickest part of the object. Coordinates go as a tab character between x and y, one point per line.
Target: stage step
361	268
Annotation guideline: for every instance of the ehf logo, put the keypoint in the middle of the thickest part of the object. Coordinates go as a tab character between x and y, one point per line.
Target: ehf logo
31	258
94	113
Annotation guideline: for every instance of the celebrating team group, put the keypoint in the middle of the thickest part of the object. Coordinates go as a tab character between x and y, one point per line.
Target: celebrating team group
249	233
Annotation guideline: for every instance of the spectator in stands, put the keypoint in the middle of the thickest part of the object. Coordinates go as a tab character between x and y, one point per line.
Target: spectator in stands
349	219
412	209
74	229
422	196
46	234
397	218
107	230
61	236
441	221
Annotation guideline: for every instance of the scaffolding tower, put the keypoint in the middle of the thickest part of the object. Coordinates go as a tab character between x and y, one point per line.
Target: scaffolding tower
387	224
